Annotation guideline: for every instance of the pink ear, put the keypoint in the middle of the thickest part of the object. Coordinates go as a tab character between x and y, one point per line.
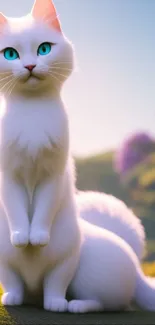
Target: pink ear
3	20
45	10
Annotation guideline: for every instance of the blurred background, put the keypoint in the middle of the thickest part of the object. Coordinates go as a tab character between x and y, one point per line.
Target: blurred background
110	98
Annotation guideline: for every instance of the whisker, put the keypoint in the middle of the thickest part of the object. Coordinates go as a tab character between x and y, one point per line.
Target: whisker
6	84
60	68
61	62
55	64
55	77
55	68
5	78
47	72
6	88
55	86
5	72
9	72
12	86
54	74
60	74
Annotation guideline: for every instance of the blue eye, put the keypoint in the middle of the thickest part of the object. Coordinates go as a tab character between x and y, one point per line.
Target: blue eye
44	49
10	53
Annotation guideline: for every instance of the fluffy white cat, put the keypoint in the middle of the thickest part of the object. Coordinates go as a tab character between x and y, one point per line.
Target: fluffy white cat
108	212
38	202
38	206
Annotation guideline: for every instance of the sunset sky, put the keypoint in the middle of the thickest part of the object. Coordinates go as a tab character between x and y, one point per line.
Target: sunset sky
113	92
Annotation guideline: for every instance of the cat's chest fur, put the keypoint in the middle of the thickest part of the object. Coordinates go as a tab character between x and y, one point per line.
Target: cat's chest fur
33	139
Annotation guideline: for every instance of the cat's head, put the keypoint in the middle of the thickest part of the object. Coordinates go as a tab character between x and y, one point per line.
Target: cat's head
34	53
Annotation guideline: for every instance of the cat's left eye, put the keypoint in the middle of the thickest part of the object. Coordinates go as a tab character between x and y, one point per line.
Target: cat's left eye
44	48
10	54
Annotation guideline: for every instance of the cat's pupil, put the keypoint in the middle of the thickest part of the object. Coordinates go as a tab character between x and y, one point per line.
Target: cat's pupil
11	53
44	49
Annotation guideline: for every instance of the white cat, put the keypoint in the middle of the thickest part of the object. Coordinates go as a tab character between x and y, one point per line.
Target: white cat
38	205
108	212
109	275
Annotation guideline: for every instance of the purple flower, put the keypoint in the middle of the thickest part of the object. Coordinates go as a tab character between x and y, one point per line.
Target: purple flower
134	150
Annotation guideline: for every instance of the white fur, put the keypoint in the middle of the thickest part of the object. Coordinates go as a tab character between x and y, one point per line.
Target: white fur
38	205
108	212
108	276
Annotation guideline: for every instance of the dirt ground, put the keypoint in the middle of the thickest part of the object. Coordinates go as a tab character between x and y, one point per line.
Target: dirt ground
28	315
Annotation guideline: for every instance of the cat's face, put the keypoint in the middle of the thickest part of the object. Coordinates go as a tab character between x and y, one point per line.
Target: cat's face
34	54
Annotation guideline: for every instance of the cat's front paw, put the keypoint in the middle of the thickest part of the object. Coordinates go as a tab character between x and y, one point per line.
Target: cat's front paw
11	299
55	304
19	238
39	237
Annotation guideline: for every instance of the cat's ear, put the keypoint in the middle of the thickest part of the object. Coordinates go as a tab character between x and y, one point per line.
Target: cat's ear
3	20
45	10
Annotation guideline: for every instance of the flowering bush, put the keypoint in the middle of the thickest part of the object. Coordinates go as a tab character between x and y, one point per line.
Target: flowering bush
134	150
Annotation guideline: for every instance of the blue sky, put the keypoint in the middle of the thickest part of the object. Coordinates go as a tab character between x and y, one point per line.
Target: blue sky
113	93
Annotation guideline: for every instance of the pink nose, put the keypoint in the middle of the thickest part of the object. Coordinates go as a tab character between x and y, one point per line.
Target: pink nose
30	67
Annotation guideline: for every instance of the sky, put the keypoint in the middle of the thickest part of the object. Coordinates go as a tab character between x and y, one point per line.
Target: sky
113	92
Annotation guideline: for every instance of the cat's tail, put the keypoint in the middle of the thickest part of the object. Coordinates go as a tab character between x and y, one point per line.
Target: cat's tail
108	212
145	291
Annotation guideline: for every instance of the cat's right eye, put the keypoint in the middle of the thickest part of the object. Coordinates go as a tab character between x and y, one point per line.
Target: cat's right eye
10	54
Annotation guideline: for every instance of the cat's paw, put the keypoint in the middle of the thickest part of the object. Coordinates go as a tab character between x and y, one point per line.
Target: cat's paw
11	299
19	238
55	304
84	306
39	237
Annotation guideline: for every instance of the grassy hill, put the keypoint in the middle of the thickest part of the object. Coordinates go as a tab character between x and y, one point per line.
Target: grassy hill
97	173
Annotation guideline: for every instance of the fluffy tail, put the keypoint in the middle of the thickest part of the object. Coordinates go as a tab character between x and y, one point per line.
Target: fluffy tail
108	212
145	291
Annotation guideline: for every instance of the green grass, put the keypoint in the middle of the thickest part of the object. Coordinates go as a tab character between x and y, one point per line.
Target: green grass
151	246
149	269
97	173
5	316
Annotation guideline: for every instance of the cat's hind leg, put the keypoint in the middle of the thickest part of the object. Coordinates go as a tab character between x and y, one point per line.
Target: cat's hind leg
12	285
